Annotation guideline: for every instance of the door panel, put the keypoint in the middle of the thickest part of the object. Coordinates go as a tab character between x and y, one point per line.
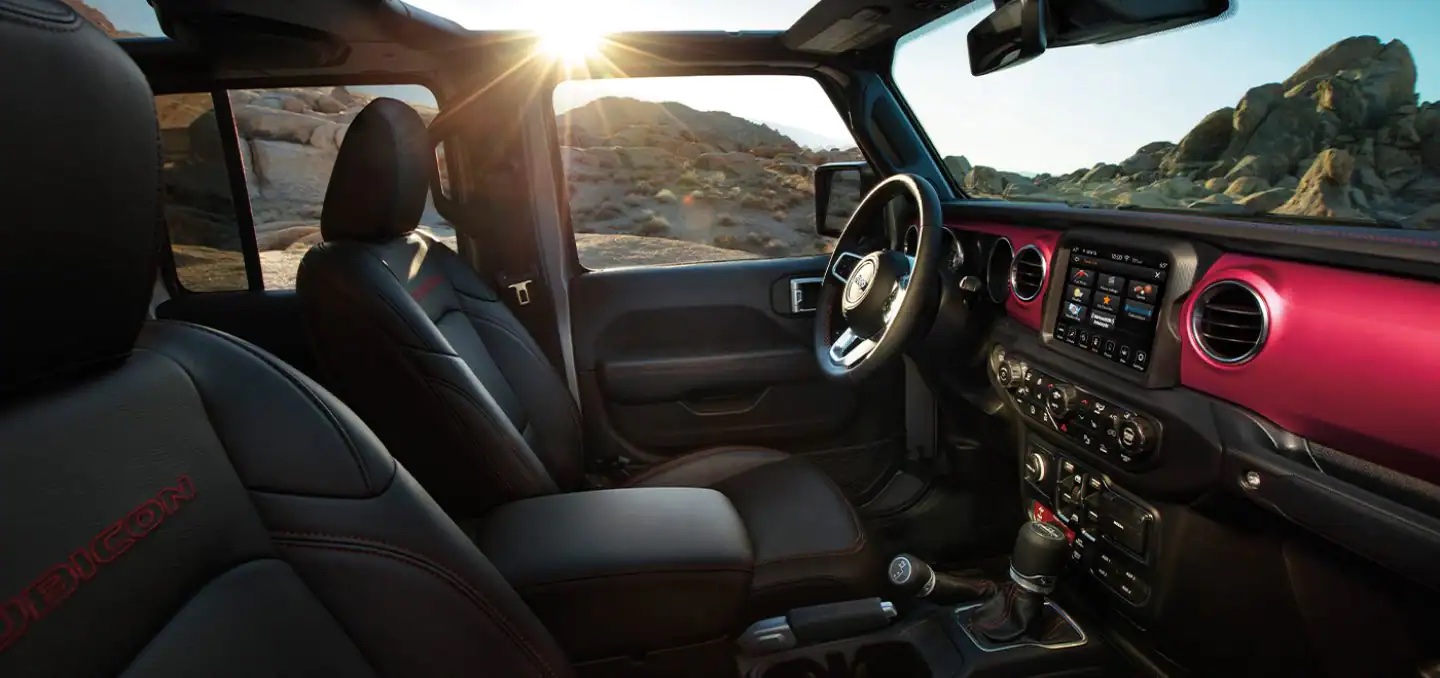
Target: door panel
674	358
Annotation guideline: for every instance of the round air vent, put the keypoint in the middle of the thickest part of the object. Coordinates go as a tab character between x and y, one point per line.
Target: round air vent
1230	322
997	270
1027	273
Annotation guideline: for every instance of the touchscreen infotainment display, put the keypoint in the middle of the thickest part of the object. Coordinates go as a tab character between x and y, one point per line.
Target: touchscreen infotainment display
1112	302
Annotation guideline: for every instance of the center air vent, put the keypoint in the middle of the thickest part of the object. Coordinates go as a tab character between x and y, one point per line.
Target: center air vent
1230	322
1027	273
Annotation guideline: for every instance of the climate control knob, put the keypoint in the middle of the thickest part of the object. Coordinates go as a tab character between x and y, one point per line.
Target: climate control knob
1010	373
1136	436
1060	402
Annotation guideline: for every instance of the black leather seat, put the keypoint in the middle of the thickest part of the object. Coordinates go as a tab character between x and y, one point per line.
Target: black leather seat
174	501
411	338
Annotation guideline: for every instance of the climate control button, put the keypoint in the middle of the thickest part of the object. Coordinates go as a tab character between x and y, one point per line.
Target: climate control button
1061	401
1135	436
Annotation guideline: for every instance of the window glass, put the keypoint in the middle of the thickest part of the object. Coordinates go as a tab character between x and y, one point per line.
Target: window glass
704	168
199	208
120	19
289	139
1270	113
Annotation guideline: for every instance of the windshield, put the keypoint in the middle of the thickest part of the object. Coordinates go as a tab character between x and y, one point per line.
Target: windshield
1301	109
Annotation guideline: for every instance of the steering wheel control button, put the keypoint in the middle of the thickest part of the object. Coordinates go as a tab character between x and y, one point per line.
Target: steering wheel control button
1083	277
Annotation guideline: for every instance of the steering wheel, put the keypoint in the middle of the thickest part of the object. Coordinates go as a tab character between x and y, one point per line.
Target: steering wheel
884	296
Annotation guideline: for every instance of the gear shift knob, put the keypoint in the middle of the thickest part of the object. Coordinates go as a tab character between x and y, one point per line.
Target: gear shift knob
1039	557
911	575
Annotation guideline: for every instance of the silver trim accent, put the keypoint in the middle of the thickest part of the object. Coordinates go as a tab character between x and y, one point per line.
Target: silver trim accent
1033	583
928	587
849	348
888	608
835	274
1199	308
767	636
990	261
1044	272
959	248
988	646
797	297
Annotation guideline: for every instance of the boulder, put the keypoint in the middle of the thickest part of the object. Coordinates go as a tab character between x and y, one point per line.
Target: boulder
691	150
1285	135
328	104
1427	121
1430	153
1179	188
1288	181
286	171
1101	172
1428	218
958	165
1350	53
285	235
1388	81
1244	186
1267	200
1324	191
1344	99
1216	199
328	136
342	95
1252	110
1397	166
982	179
260	122
1145	197
1423	190
204	133
1216	185
1254	166
1140	162
1203	144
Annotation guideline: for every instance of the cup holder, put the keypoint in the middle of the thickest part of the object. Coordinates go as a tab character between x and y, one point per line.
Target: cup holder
891	659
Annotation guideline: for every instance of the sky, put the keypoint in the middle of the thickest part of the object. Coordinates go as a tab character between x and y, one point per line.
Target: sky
1070	108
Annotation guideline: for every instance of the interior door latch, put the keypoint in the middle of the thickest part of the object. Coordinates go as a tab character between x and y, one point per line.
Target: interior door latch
522	292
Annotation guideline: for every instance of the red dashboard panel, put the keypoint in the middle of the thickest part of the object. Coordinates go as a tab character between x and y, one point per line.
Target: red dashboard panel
1352	360
1027	313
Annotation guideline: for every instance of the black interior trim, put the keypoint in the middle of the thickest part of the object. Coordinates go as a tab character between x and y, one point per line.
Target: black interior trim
239	190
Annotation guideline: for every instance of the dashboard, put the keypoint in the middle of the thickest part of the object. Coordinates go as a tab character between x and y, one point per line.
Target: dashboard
1147	372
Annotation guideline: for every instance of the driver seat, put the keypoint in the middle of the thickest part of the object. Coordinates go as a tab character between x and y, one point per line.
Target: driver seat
410	337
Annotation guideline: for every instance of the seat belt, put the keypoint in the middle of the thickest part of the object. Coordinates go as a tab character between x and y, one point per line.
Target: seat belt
510	255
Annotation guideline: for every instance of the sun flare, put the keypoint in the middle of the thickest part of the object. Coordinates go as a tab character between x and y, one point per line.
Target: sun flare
570	43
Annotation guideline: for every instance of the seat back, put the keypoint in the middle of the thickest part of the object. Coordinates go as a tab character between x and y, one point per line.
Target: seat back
411	338
174	501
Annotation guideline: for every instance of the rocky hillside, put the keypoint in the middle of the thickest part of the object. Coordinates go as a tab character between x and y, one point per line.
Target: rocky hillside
667	170
1345	136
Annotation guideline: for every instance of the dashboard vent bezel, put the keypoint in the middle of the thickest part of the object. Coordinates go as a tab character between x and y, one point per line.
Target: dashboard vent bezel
1198	316
997	295
1015	264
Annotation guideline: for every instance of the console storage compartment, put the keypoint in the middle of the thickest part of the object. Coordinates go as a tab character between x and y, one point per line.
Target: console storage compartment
624	572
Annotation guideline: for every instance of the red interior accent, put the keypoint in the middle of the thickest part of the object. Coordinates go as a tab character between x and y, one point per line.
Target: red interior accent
1352	360
1028	313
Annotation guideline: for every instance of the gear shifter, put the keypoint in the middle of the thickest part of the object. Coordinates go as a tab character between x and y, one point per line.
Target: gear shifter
916	578
1014	610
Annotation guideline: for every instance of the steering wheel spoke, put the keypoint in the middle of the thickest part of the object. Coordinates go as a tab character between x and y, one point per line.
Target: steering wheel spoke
845	260
850	348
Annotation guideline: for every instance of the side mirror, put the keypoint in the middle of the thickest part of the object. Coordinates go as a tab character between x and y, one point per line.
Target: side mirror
839	187
1013	34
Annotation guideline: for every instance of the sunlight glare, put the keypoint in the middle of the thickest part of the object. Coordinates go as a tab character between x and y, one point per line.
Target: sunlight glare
572	44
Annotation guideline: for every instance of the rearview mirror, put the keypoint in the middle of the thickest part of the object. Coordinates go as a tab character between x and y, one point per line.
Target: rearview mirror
839	187
1013	34
1020	30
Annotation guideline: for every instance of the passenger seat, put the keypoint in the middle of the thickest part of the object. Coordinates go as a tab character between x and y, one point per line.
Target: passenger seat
408	335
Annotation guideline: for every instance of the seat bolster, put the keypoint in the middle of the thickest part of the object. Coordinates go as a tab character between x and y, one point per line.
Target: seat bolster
284	432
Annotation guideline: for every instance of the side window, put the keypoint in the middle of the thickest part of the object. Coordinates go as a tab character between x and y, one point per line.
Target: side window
702	168
289	139
199	207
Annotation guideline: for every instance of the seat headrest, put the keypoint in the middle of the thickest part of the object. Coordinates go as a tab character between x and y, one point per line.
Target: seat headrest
382	174
79	195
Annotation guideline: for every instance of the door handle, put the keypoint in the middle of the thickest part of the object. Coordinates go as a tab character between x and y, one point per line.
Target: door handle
805	294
